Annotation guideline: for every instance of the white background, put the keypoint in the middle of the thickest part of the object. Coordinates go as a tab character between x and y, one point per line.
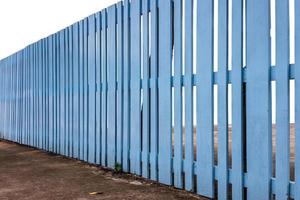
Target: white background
23	22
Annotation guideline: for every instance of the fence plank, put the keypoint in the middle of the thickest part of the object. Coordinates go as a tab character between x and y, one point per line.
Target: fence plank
85	90
50	94
62	94
178	168
205	97
189	132
165	94
104	89
120	81
56	90
282	101
98	87
91	89
259	165
154	92
223	100
126	122
76	89
297	99
135	107
111	77
68	72
237	101
146	102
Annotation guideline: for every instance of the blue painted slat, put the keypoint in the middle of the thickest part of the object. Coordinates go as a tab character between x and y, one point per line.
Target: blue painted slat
111	86
85	89
51	94
237	101
297	99
282	101
205	97
32	104
42	106
188	67
67	91
46	95
259	165
56	97
92	89
120	81
223	100
104	89
146	99
76	100
62	85
135	98
126	122
70	92
178	61
165	103
81	96
98	87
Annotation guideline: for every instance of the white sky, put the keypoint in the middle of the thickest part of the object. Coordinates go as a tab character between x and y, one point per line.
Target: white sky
23	22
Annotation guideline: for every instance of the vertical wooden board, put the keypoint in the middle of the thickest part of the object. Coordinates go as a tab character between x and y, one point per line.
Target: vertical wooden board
62	85
50	94
81	97
282	101
189	142
24	132
104	89
126	122
297	99
165	94
35	108
92	89
76	100
56	93
71	92
135	107
47	77
146	99
67	90
119	81
45	111
259	165
178	61
223	100
111	81
154	92
34	135
205	97
237	101
85	89
44	80
98	87
38	135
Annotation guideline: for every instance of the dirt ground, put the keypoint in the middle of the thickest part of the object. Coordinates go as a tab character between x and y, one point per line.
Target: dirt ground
29	174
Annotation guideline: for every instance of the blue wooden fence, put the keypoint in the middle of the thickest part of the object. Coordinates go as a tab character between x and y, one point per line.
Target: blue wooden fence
118	88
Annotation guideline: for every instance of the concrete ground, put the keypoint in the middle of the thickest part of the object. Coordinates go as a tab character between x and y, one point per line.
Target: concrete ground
30	174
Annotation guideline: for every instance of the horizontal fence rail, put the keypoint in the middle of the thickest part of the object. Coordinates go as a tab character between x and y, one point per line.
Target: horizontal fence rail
136	86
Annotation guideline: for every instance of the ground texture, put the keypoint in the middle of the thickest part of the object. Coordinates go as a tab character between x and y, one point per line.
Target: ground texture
30	174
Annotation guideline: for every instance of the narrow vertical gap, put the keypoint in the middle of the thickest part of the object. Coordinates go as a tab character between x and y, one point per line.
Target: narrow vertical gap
273	104
292	130
216	124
